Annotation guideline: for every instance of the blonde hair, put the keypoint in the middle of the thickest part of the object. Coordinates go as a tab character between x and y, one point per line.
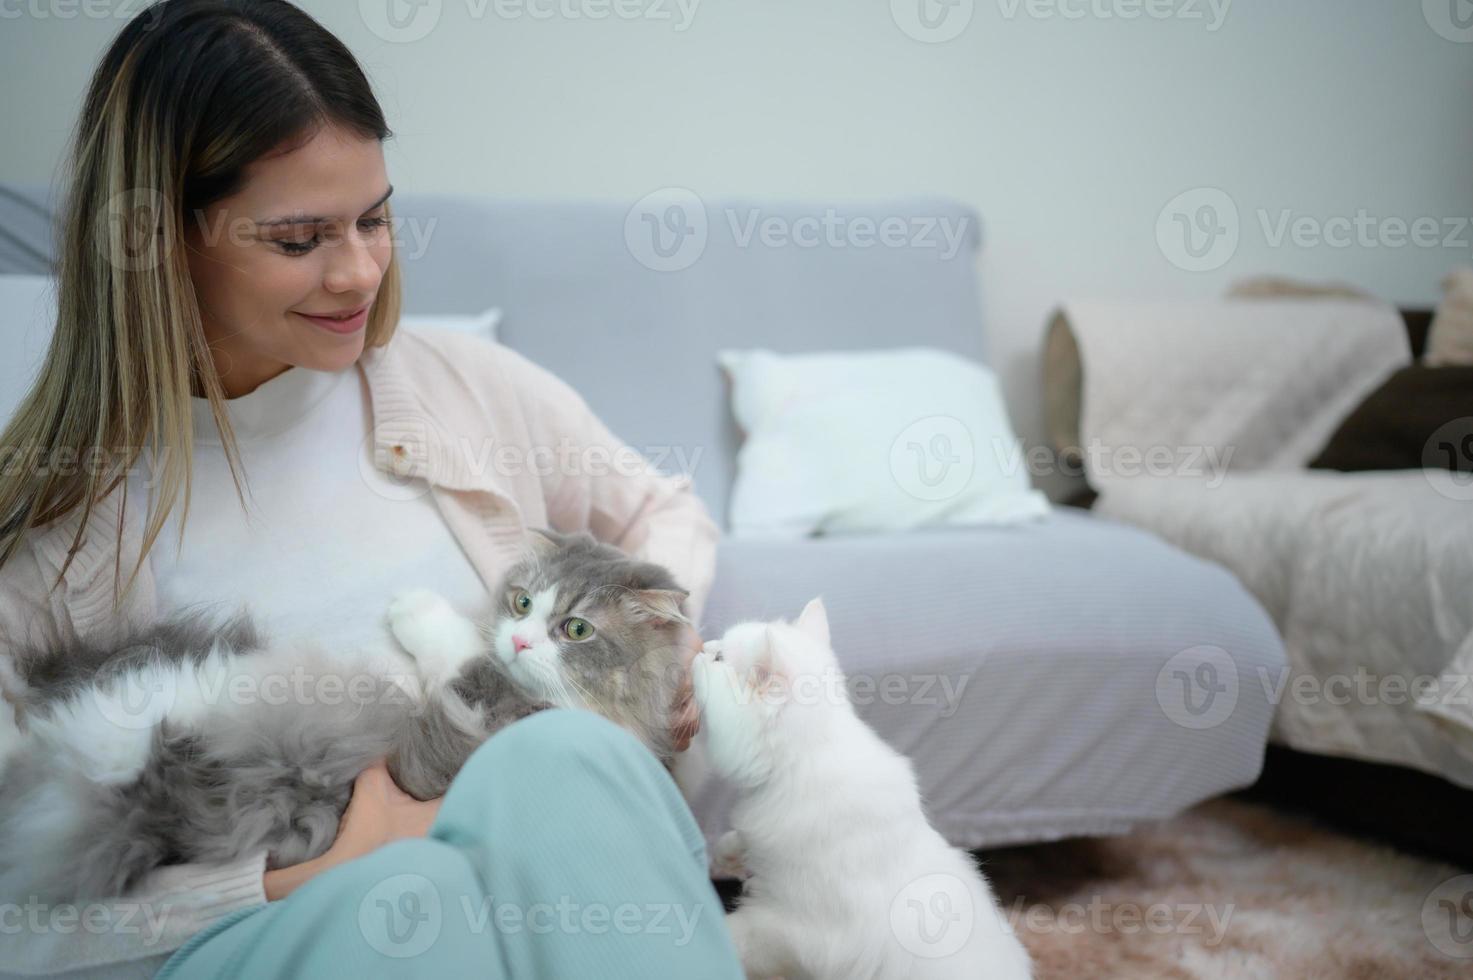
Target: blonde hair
188	94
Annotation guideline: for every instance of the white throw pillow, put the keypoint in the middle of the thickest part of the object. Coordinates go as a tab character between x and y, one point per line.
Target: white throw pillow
882	440
483	324
27	319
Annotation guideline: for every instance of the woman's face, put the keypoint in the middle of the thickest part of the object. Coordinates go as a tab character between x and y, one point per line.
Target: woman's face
306	235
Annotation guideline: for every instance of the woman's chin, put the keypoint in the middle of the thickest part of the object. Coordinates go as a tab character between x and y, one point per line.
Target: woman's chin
336	354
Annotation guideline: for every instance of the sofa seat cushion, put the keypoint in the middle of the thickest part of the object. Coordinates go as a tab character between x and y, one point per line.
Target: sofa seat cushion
1044	678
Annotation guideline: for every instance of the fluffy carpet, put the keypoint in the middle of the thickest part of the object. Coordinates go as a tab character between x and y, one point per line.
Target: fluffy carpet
1235	891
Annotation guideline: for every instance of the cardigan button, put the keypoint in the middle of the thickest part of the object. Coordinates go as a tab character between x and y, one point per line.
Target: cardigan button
401	464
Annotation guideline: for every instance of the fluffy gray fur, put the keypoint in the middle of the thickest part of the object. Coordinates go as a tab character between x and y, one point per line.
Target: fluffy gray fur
278	776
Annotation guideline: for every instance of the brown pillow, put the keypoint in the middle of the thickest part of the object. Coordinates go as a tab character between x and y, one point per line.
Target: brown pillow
1394	428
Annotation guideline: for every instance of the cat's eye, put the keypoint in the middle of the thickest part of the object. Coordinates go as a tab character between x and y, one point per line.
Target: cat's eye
521	602
577	629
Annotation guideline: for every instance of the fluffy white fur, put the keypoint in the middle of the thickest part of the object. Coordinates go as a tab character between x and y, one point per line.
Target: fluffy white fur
106	731
848	880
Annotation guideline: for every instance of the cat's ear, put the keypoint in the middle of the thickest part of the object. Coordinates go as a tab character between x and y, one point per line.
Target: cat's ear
657	605
814	620
541	542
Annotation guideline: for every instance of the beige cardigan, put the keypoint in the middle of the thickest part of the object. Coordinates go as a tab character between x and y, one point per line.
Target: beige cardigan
503	445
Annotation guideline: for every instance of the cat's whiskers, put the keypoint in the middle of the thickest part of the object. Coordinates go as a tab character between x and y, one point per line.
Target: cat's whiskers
561	681
587	698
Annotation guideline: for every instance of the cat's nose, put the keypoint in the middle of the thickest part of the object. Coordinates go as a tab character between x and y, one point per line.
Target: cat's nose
518	644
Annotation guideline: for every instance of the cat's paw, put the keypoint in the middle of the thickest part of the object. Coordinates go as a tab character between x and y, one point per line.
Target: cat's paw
728	860
416	616
432	632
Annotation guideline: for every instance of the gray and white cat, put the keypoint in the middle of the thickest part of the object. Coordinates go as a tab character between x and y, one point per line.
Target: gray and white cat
195	741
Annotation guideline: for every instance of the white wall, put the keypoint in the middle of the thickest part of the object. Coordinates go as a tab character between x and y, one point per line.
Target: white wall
1067	123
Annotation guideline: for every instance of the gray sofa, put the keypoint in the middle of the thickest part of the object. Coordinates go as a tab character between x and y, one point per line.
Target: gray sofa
1062	678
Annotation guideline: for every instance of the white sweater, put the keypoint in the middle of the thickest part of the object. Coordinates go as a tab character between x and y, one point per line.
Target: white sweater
329	538
438	401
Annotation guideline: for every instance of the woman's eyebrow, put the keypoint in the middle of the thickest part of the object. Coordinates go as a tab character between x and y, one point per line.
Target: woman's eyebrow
305	219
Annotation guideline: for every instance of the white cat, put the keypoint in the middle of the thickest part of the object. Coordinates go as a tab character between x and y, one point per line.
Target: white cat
848	881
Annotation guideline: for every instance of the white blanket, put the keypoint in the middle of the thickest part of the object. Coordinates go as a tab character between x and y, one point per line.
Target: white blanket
1369	578
1197	389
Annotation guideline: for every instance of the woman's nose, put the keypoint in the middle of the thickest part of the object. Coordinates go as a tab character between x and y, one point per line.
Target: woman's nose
353	267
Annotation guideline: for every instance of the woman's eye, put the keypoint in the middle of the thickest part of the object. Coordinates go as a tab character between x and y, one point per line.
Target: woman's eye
303	247
521	602
578	629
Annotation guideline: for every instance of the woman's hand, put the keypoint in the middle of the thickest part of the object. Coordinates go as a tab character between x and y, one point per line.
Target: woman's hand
378	813
685	716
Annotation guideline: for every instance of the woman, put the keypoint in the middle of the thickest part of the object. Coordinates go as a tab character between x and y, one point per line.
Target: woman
228	297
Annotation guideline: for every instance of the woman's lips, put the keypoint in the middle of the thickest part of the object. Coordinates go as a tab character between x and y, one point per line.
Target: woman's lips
350	325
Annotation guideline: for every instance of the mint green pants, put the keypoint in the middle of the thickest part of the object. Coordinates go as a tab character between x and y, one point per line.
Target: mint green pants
563	850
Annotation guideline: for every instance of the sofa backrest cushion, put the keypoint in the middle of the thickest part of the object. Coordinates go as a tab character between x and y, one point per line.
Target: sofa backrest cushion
639	343
630	304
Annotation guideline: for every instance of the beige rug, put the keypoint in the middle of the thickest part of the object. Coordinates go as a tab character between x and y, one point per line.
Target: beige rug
1235	891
